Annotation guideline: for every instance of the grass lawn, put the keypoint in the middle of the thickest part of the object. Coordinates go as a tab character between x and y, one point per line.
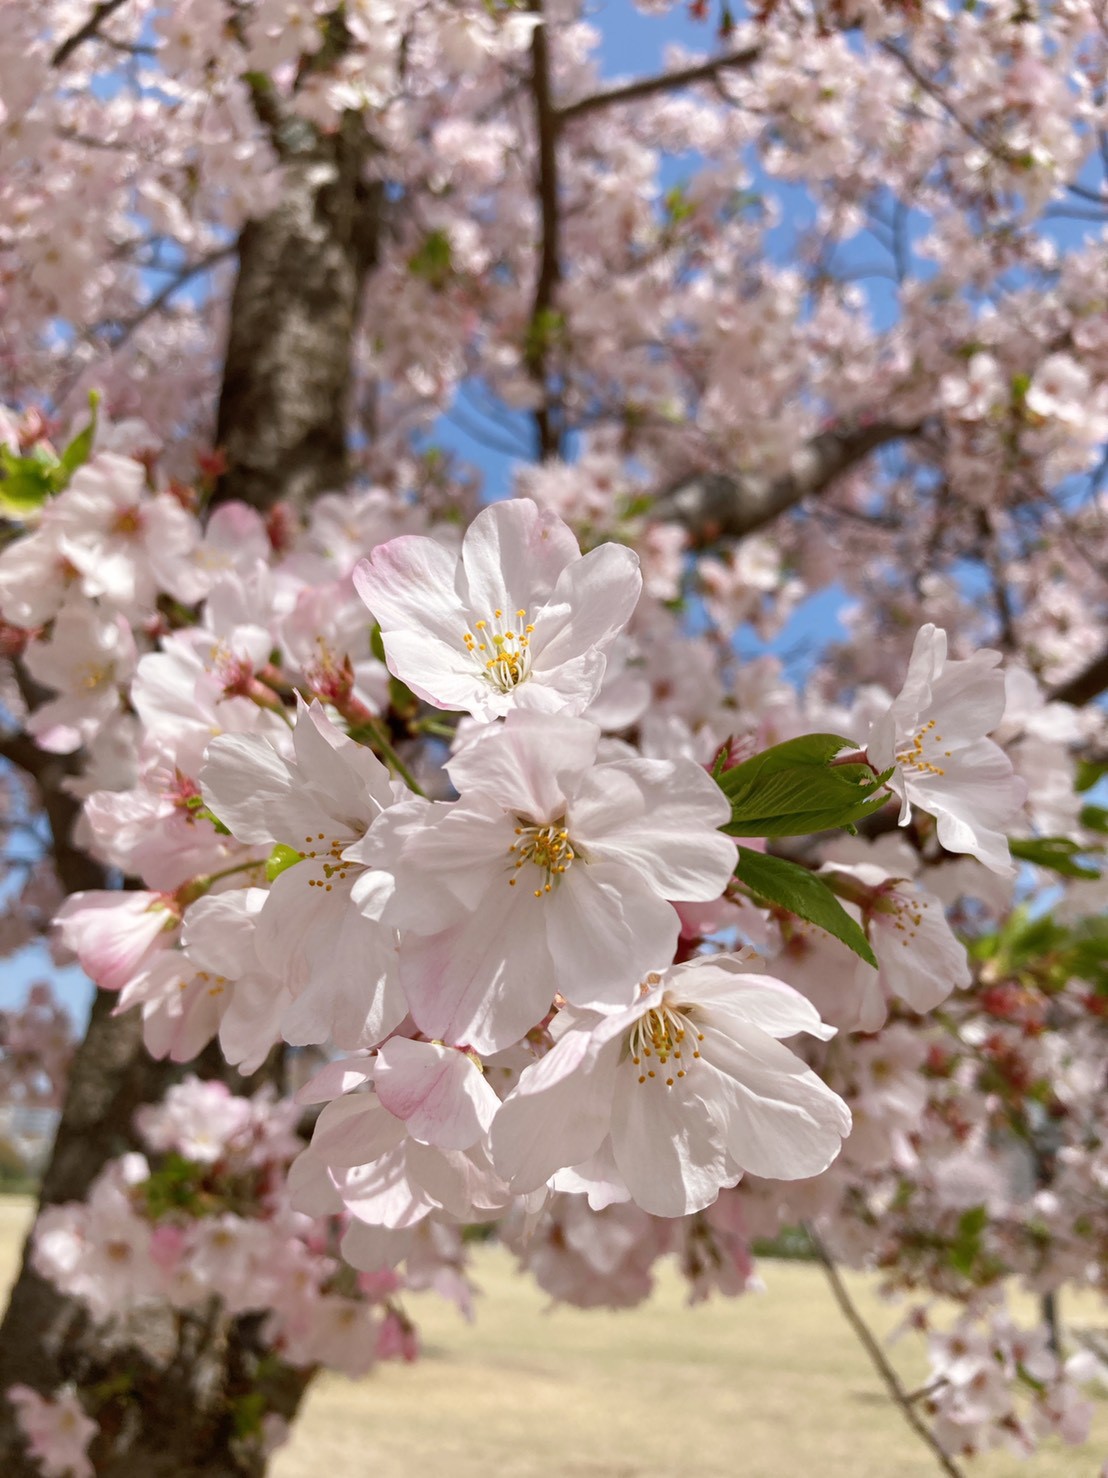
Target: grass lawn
769	1386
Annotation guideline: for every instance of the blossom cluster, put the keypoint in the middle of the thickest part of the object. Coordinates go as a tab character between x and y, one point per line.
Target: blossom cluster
509	943
466	814
205	1215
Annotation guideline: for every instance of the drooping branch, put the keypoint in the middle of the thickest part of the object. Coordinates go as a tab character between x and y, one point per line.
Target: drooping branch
900	1397
714	506
633	92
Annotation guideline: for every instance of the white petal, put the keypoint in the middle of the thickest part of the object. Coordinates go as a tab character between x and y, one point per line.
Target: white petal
780	1121
660	817
512	555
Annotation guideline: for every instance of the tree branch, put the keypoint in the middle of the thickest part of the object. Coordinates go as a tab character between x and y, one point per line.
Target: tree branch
1085	685
878	1358
86	32
550	268
632	92
714	506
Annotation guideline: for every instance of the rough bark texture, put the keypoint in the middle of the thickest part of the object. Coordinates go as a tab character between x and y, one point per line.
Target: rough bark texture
713	506
286	385
165	1391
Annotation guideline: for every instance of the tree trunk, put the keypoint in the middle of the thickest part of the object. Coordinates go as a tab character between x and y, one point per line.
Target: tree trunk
166	1392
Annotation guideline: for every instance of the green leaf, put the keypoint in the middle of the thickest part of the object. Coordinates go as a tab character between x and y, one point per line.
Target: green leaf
1089	772
26	484
804	894
433	260
79	449
1095	818
793	789
1057	853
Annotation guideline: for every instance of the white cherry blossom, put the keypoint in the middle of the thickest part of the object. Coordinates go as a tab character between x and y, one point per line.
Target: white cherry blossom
550	874
521	619
318	932
690	1087
933	737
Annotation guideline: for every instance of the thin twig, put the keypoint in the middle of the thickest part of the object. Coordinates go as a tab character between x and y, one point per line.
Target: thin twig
878	1358
161	298
631	92
86	32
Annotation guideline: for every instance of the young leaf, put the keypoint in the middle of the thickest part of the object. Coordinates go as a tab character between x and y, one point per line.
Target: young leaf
802	893
1060	854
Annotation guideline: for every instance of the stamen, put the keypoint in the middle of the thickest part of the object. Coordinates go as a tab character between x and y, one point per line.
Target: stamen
508	663
548	847
661	1032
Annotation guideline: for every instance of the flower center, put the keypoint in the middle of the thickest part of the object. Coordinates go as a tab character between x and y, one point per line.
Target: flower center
548	847
915	758
326	853
501	651
664	1032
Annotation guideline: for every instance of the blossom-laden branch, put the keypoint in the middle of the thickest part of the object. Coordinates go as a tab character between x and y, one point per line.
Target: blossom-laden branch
880	1361
714	507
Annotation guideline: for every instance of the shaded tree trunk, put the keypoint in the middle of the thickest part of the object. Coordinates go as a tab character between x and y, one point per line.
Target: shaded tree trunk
166	1394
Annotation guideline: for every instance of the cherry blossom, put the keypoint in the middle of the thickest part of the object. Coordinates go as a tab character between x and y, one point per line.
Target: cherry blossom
690	1084
550	874
933	737
521	620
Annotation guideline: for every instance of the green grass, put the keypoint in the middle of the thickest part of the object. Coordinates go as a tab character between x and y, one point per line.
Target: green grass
769	1386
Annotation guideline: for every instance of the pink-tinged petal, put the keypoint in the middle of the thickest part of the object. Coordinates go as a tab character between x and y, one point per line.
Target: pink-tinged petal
336	1078
252	790
383	1193
311	1189
218	931
114	934
606	931
512	555
486	980
598	594
409	584
666	1147
660	817
529	765
374	1249
439	1092
355	1130
444	869
560	1110
460	1183
779	1120
339	965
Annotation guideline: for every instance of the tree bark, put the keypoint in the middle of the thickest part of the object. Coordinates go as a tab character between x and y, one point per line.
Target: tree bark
165	1390
714	507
